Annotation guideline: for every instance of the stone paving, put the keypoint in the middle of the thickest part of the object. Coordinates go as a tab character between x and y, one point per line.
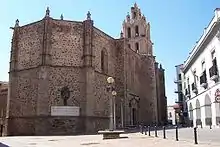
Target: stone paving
133	140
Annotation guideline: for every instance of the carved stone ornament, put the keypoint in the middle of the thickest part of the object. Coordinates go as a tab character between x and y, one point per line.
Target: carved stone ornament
65	93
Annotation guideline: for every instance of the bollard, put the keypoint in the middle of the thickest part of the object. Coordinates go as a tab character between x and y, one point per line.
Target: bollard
148	130
177	138
201	125
155	131
210	126
1	130
195	135
164	132
142	131
145	130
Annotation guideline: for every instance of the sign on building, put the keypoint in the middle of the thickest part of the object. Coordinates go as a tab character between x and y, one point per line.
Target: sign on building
217	96
65	111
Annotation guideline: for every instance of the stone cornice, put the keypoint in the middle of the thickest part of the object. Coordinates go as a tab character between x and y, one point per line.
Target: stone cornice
206	40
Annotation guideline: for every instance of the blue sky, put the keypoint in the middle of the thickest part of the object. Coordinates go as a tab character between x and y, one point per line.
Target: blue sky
175	25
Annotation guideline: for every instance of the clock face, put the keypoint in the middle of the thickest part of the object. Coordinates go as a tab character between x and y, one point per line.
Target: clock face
132	21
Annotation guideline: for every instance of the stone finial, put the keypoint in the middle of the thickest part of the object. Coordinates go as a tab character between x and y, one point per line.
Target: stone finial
144	18
61	16
47	12
135	5
88	16
161	66
121	34
17	23
128	17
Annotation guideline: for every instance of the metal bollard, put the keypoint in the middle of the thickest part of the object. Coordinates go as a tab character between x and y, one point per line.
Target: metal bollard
210	126
148	130
155	131
1	130
145	130
164	132
177	138
142	131
201	126
195	135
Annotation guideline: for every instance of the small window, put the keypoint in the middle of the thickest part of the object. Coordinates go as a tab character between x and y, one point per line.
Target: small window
129	32
135	14
136	31
170	115
180	77
137	47
104	61
129	46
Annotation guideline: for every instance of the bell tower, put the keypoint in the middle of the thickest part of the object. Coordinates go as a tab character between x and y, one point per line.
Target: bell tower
137	30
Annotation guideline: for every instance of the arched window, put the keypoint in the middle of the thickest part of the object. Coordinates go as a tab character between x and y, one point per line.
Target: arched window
104	61
136	31
137	47
129	32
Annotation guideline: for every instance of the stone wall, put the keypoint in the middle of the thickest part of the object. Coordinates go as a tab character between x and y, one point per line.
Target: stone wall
66	43
29	45
3	101
101	41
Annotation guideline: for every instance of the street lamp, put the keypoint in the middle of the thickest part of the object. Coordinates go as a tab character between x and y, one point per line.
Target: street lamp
110	88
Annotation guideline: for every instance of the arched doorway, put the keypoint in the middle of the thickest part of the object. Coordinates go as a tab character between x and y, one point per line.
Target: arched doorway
198	113
134	107
208	110
190	114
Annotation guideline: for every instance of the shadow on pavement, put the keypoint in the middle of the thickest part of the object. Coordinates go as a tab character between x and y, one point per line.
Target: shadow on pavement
3	145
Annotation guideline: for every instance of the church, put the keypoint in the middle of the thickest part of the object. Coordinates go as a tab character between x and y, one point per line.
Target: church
58	77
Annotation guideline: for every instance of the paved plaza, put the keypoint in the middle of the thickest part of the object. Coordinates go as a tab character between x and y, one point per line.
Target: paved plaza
206	138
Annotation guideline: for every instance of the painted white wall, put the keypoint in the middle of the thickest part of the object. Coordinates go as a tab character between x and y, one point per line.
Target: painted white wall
213	110
171	110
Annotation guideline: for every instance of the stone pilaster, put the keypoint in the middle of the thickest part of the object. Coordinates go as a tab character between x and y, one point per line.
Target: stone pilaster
88	70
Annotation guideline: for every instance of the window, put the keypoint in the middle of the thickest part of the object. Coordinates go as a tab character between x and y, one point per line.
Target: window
170	115
137	47
136	31
104	61
179	76
129	46
135	14
129	32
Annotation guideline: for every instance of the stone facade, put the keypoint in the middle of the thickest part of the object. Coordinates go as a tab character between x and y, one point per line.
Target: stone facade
50	54
3	101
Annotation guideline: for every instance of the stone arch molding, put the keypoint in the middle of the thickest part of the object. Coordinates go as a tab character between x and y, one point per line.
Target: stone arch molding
208	110
190	111
198	112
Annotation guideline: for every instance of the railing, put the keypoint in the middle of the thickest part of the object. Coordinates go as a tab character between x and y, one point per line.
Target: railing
203	80
213	72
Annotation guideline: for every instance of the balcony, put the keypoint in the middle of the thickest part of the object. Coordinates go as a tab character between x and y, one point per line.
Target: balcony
203	80
194	88
213	72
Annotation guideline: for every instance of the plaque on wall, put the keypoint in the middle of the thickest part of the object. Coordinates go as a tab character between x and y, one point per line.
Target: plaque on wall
64	111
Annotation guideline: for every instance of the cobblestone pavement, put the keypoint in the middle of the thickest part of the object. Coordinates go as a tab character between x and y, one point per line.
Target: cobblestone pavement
133	140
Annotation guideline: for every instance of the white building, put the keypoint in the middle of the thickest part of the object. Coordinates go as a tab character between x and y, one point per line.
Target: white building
171	116
200	73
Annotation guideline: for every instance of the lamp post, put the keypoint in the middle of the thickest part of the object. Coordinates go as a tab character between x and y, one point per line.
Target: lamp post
110	88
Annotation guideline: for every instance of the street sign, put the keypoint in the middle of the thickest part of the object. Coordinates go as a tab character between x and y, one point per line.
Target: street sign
217	96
